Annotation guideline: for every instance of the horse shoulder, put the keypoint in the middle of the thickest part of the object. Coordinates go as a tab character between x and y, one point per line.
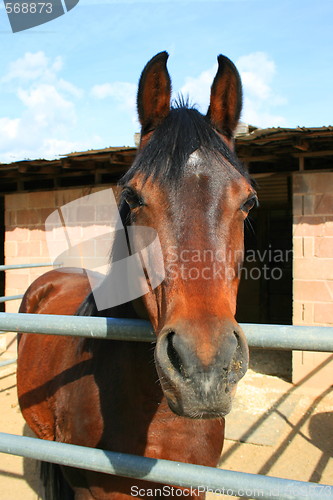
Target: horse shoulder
46	361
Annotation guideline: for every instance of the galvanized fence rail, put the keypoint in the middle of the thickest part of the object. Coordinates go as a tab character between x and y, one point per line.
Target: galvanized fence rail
197	477
7	298
163	471
302	338
10	267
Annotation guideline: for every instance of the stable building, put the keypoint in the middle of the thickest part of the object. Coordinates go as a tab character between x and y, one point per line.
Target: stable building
287	276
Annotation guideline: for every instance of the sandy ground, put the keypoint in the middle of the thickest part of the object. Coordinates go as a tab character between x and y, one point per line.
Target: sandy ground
298	446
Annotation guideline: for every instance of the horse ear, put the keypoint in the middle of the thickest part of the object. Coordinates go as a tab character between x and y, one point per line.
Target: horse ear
225	98
153	100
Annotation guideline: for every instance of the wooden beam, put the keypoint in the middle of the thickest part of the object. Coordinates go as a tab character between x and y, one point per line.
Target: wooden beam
252	159
301	163
313	154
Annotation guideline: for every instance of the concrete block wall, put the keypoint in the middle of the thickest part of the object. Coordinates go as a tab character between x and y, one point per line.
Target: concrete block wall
313	270
25	238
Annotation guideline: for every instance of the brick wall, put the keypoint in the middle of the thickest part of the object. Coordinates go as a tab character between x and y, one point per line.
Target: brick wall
25	238
313	269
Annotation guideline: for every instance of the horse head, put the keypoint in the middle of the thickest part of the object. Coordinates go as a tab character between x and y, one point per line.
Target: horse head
188	185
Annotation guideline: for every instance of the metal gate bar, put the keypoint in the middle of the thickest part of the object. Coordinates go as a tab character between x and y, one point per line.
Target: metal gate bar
8	267
7	362
303	338
10	297
164	471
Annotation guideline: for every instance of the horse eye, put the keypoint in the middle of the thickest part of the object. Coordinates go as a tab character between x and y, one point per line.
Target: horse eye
249	204
132	198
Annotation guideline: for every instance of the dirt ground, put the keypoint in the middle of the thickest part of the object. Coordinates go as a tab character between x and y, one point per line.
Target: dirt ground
275	429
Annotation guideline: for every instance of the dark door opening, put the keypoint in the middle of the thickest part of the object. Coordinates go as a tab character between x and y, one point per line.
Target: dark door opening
2	250
265	291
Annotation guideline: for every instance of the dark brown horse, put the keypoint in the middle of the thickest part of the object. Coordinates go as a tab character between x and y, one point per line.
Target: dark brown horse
169	402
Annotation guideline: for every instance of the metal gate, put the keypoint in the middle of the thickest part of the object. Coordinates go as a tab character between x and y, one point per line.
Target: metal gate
193	477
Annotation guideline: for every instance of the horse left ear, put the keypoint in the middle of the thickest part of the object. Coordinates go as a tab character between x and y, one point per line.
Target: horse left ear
153	100
225	98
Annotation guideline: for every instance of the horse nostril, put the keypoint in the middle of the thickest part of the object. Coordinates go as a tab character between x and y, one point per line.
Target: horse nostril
239	361
238	346
173	355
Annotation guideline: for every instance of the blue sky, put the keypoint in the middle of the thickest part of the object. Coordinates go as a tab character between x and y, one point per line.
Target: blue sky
70	84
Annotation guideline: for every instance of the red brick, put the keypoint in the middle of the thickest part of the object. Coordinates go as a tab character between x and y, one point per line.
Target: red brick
323	182
12	306
301	183
324	247
309	225
16	201
323	313
308	315
43	199
37	233
17	234
313	269
302	313
323	204
35	272
75	233
312	370
328	227
329	285
297	312
10	249
308	246
311	291
10	218
15	279
298	246
309	204
30	217
44	214
85	214
65	196
44	251
29	249
316	183
297	204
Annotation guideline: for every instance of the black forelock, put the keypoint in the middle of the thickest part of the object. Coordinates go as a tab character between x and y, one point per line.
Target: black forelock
166	155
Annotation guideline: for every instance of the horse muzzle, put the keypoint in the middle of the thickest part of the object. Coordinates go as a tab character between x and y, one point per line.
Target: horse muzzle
197	385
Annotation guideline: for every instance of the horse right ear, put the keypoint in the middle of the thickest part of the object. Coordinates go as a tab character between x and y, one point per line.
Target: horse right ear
153	99
225	98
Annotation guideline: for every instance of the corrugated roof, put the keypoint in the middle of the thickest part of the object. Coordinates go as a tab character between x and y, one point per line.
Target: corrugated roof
100	151
279	133
275	149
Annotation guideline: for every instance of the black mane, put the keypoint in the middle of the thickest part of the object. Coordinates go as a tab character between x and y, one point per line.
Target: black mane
164	160
182	132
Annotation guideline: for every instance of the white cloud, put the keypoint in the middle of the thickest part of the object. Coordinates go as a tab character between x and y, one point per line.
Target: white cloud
123	92
33	66
47	109
257	72
8	128
198	89
123	95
